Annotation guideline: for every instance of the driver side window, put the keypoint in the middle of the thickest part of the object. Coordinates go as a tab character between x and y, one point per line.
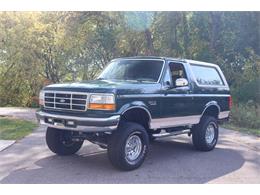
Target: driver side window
176	71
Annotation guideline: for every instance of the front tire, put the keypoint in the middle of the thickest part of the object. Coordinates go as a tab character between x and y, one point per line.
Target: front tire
60	141
205	134
128	146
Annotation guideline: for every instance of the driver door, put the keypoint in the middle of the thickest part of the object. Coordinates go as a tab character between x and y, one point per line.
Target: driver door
177	102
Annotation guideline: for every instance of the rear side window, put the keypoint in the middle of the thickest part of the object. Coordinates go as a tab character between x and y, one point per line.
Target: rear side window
206	75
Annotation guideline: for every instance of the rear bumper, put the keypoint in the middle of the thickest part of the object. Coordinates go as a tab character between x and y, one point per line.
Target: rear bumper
223	114
78	123
223	117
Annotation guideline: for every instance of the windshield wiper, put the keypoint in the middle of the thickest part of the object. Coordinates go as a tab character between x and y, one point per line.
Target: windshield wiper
145	80
140	80
100	78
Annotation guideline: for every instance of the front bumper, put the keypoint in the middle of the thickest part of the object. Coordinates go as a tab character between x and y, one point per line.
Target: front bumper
78	123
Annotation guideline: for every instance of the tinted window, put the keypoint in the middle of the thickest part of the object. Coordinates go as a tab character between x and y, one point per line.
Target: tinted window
138	70
206	75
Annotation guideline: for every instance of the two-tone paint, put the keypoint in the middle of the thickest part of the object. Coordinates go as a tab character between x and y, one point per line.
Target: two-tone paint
165	106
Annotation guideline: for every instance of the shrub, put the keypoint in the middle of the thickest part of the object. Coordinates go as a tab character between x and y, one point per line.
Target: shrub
245	115
248	91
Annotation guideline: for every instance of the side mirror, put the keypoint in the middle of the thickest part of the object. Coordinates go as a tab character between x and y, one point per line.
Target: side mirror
181	82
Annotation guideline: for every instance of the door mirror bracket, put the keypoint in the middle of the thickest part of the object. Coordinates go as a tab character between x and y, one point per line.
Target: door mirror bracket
167	85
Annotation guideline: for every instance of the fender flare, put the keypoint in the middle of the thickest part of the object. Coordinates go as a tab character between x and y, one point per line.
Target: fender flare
209	104
136	105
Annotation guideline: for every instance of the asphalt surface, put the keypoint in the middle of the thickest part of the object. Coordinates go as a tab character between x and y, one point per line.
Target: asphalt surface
236	159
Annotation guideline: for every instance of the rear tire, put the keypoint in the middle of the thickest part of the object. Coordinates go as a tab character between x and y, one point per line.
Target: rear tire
128	146
205	134
59	141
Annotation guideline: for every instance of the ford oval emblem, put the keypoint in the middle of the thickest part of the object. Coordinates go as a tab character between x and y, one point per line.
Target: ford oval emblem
62	101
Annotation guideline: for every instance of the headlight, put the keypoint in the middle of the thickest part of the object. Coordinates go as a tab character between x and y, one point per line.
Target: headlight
102	102
41	98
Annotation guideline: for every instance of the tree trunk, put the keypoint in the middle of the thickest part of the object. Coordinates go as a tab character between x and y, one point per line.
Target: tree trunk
149	43
257	15
186	39
215	29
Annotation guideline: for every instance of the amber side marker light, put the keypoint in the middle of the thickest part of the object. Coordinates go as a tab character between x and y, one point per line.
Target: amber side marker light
230	102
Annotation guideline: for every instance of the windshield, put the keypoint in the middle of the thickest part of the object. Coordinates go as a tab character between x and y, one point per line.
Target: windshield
137	70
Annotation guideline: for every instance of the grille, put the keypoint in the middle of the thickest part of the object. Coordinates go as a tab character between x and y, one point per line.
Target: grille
65	101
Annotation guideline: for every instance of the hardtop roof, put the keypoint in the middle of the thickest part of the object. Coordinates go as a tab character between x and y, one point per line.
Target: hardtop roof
169	59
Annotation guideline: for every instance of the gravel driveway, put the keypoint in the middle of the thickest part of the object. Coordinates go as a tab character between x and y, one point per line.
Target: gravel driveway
236	159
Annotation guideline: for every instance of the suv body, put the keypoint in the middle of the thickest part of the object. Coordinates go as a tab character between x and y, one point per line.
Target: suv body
134	101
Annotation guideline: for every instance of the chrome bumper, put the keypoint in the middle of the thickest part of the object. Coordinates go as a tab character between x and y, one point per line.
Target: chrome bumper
80	123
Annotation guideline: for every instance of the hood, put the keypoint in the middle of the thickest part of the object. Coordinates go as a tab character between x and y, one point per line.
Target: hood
106	86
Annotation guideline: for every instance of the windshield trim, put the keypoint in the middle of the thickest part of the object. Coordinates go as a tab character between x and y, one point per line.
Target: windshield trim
162	60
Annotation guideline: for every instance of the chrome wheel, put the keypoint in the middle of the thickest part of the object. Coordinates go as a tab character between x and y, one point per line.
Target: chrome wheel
210	133
133	147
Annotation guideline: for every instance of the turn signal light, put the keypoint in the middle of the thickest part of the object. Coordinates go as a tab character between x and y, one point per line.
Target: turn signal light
102	106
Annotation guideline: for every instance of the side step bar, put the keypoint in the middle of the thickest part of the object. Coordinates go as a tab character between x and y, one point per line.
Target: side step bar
166	134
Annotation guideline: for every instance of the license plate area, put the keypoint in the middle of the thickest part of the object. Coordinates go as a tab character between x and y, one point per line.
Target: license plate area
60	122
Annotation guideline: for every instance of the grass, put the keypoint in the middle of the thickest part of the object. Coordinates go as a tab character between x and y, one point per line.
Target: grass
242	129
13	129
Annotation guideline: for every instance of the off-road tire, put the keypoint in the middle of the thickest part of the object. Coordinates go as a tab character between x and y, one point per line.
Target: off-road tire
55	139
117	145
199	134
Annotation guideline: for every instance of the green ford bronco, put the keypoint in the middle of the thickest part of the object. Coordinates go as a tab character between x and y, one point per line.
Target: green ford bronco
134	101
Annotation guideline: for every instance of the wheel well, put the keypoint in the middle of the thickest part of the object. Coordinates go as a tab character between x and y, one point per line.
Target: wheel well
137	115
211	111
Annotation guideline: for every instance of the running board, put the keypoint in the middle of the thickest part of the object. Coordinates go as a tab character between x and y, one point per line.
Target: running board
166	134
